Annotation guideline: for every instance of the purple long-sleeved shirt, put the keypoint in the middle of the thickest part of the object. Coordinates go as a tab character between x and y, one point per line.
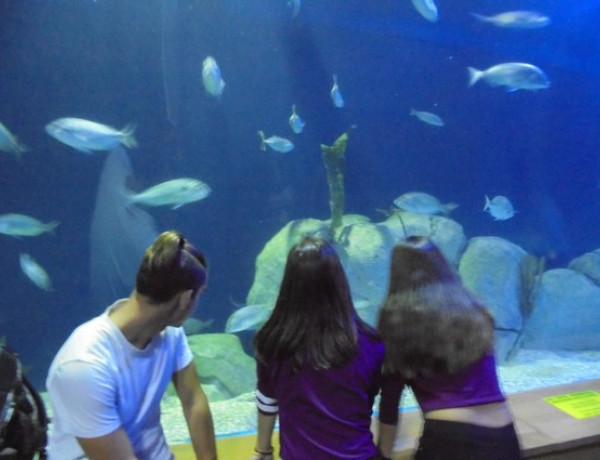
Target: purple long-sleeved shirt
478	384
324	414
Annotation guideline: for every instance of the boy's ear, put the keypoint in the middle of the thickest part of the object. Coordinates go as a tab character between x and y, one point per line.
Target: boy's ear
185	298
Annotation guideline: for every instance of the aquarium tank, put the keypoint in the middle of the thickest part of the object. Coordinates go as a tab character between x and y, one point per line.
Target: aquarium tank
246	124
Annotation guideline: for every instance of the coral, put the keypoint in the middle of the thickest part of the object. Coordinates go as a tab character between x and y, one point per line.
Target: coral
334	158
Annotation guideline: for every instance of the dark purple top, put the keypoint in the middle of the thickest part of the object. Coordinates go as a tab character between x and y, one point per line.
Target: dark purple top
324	414
478	384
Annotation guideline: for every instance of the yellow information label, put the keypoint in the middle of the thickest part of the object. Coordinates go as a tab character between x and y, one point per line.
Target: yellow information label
580	405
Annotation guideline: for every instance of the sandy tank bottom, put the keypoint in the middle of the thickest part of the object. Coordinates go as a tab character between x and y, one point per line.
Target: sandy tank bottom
528	370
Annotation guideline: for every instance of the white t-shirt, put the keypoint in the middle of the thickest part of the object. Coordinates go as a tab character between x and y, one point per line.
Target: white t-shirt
99	382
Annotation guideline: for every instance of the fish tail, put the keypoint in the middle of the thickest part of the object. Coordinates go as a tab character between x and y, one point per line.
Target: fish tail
474	75
481	17
448	207
487	203
128	139
263	145
50	226
413	111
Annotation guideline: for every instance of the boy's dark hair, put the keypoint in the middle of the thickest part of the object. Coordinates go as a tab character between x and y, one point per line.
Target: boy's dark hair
170	265
430	323
314	322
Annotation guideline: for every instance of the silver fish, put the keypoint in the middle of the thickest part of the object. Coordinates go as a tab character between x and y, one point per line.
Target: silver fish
427	117
336	94
9	143
175	193
423	203
35	272
22	225
516	19
211	77
296	122
427	9
499	207
86	136
513	75
279	144
248	317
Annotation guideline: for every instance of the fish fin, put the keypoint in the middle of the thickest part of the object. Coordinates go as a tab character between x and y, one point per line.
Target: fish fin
511	89
474	75
263	145
487	203
128	139
50	226
481	17
177	206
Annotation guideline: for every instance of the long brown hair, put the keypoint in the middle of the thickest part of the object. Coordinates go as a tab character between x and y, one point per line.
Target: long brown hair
430	323
314	322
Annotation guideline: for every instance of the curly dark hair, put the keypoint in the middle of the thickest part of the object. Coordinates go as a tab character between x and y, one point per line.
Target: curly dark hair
314	321
430	323
170	265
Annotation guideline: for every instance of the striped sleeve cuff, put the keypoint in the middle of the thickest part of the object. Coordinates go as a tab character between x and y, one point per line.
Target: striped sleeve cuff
265	404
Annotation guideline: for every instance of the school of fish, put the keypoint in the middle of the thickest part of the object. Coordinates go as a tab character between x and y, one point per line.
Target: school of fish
88	137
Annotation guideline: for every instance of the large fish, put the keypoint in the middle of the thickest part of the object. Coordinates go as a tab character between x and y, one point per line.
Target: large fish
499	207
86	136
22	225
248	317
513	75
296	123
9	143
423	203
427	117
427	9
175	193
516	19
279	144
211	77
336	94
35	272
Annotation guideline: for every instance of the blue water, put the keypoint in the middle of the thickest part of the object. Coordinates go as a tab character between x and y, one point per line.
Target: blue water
104	61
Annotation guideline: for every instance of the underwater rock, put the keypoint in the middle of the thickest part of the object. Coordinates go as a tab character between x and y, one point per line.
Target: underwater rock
566	315
588	264
223	365
491	268
364	249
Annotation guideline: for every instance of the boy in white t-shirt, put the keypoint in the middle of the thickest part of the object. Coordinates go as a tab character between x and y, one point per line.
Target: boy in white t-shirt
107	380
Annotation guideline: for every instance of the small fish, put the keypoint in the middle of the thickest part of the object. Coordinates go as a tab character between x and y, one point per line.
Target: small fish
422	203
427	9
22	225
513	75
193	326
279	144
175	193
86	136
499	207
296	122
35	272
248	317
211	77
516	19
9	143
427	117
336	94
295	6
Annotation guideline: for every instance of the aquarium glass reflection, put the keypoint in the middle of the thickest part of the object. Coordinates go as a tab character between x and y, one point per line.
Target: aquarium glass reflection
246	124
